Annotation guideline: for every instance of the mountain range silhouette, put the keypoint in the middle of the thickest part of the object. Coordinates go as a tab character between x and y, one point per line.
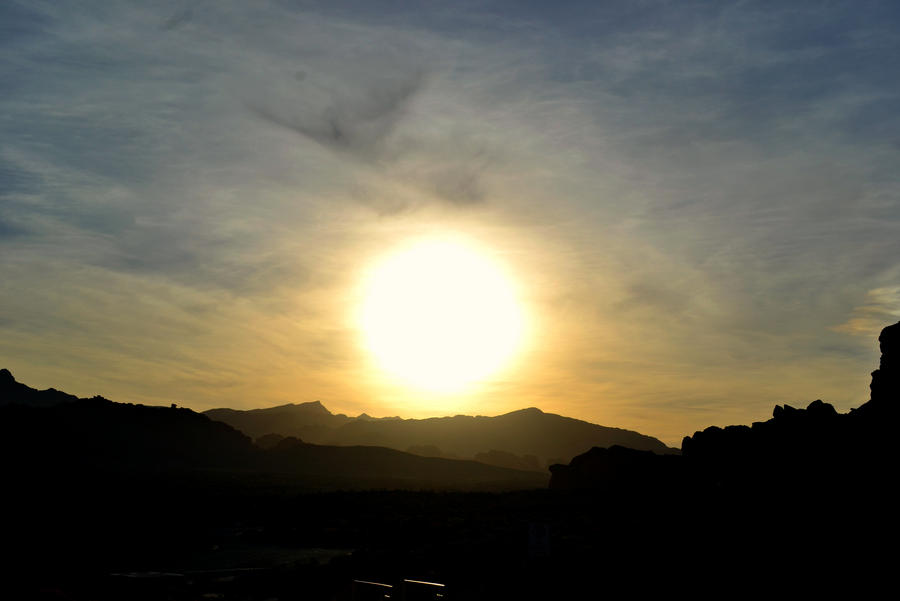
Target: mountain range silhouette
110	500
524	439
99	434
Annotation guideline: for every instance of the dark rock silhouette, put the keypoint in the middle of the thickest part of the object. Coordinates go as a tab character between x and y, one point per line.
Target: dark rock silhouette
885	386
523	433
813	449
808	452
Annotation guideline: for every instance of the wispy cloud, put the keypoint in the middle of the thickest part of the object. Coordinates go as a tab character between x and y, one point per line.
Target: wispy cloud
692	187
355	122
882	307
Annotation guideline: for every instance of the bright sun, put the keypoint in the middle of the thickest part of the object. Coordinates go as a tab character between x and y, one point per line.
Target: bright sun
440	315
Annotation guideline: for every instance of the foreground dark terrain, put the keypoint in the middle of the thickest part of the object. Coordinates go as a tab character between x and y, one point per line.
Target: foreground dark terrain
112	501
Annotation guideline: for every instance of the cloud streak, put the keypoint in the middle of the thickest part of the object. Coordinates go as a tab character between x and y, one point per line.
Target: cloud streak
355	122
706	189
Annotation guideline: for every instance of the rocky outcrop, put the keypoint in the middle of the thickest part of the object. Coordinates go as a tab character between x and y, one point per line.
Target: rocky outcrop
810	451
794	448
810	448
885	384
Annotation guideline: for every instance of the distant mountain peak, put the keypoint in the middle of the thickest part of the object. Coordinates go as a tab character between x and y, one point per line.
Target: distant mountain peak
315	405
528	438
532	410
309	406
6	376
315	408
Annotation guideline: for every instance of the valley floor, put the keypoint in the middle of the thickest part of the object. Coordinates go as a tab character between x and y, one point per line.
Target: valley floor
228	538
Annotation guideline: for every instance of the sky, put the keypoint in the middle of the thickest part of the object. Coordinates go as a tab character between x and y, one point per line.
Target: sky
699	202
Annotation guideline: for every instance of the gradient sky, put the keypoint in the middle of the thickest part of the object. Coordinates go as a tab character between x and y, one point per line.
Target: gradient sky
700	201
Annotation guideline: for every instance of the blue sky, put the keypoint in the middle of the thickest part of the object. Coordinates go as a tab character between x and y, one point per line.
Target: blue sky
699	199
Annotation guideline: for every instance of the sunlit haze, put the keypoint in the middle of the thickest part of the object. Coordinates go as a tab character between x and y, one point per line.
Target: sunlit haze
439	315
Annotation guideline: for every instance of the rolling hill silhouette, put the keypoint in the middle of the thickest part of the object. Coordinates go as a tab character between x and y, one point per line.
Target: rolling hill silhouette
528	437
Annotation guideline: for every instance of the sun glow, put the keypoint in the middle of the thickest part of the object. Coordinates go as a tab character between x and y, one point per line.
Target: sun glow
440	315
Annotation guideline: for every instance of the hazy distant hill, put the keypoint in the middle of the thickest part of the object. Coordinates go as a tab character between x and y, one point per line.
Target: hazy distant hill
311	422
379	467
82	436
530	435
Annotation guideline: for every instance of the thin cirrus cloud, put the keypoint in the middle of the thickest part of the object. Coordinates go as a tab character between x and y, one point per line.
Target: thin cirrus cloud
700	201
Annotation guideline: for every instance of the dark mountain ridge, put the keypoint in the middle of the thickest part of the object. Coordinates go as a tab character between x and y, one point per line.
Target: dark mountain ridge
311	421
16	392
527	439
101	436
530	435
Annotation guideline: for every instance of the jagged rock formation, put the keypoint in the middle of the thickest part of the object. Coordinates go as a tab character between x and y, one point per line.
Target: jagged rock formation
809	451
795	448
885	384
